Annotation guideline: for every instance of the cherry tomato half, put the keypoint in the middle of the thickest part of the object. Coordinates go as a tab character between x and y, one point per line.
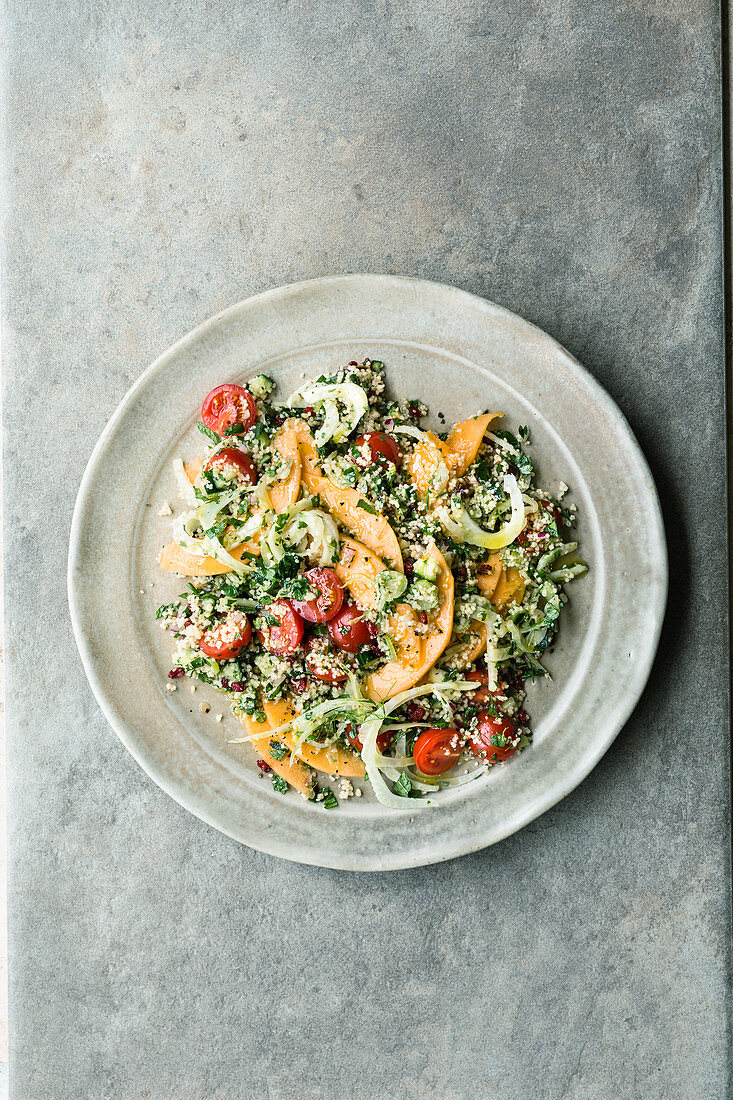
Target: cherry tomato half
286	634
234	464
348	629
228	405
228	637
437	750
381	448
493	740
482	693
322	662
384	739
321	608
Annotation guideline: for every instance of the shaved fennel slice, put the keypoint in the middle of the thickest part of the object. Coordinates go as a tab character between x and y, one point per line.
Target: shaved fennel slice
208	546
331	398
313	533
415	433
252	525
262	495
208	512
271	546
370	731
184	485
316	717
425	782
462	528
216	549
492	664
183	529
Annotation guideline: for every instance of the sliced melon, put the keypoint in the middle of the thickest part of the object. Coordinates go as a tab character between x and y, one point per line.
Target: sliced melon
176	559
499	583
434	462
284	493
297	774
346	505
358	568
464	441
333	760
416	655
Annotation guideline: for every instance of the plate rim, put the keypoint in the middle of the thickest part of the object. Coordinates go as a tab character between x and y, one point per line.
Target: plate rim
570	778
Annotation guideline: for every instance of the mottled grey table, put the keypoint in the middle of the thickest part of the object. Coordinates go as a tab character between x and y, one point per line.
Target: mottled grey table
563	159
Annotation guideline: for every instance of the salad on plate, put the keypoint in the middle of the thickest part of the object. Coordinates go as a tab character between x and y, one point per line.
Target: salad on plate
370	596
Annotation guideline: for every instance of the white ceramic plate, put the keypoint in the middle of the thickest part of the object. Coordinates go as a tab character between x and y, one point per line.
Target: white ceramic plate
461	354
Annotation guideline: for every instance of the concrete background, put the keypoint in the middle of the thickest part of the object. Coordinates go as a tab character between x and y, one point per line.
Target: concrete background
166	160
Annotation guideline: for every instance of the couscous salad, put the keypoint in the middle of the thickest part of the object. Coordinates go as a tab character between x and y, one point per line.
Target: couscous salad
370	596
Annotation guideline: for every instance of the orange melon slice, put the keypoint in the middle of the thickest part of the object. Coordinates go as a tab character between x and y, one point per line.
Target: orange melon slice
416	654
333	760
434	461
358	568
345	504
297	774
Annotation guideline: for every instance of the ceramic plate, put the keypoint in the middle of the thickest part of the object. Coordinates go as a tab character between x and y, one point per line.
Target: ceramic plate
461	354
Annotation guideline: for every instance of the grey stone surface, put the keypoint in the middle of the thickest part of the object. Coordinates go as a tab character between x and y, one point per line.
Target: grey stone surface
560	158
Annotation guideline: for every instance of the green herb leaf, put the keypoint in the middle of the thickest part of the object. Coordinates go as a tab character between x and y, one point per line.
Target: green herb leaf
217	530
296	589
330	801
236	429
278	751
403	785
279	784
366	506
209	481
207	431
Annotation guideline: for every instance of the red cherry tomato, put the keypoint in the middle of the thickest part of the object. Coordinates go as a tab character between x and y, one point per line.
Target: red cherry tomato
384	739
493	740
321	661
231	462
436	750
321	608
482	693
286	634
228	637
228	405
381	448
348	630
